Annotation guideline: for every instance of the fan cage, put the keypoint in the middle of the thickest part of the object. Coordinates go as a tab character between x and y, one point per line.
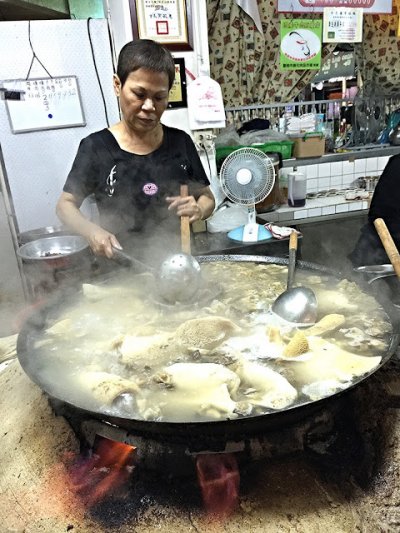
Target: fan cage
262	176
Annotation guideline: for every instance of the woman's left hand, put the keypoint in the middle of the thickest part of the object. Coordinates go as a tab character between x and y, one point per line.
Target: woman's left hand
185	206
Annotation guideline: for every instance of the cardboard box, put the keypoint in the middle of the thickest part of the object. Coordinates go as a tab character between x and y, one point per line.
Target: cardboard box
309	145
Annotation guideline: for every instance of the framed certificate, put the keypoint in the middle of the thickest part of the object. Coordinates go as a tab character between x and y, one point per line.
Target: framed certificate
177	94
168	22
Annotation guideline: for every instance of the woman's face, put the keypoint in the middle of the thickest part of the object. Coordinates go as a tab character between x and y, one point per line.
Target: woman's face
143	98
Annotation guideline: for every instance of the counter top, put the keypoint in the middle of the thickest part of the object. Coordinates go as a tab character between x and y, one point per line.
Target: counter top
316	209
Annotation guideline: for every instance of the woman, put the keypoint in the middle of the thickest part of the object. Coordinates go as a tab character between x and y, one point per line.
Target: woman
134	169
385	204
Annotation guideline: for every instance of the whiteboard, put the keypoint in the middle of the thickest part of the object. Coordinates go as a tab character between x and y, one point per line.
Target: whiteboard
47	103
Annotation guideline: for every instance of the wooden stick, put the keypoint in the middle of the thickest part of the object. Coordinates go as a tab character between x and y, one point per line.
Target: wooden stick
388	244
185	225
293	240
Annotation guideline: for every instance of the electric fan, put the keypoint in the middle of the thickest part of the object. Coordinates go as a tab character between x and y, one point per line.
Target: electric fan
247	177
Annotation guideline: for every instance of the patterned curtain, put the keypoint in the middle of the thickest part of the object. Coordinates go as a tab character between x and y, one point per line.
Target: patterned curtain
246	63
378	54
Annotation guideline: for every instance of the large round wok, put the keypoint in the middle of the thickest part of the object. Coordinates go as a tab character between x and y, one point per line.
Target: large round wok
173	431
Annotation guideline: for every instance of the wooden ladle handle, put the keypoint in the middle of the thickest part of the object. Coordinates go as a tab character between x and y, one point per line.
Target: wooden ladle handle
185	225
388	244
293	240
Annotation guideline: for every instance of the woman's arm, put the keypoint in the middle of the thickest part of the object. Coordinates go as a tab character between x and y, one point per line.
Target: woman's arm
206	204
100	240
199	209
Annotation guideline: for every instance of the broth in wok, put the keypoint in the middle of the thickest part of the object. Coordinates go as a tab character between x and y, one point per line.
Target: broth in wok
115	350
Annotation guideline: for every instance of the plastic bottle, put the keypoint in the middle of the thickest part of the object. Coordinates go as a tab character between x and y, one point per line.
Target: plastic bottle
297	188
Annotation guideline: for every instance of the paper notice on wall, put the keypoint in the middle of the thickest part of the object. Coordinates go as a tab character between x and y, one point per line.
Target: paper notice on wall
205	104
342	25
317	6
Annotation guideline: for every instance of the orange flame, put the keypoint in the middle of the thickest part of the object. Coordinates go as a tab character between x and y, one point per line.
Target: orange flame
219	479
105	471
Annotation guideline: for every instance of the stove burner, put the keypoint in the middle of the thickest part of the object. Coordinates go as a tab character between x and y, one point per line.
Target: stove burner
313	434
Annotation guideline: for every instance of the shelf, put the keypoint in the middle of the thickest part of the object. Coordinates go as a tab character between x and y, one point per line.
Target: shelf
362	153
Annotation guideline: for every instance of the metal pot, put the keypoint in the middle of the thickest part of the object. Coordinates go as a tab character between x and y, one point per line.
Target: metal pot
394	136
57	250
175	431
47	260
274	199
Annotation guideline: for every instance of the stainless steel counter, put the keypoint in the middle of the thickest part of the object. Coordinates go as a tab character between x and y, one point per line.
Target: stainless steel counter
219	243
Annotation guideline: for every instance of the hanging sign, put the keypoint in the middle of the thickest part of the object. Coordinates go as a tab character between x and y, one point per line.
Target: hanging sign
337	65
342	25
300	44
317	6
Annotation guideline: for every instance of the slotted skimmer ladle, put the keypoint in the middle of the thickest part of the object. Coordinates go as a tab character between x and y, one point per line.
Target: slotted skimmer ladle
178	277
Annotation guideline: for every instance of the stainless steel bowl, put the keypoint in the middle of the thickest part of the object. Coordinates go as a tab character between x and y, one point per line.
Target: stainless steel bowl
50	248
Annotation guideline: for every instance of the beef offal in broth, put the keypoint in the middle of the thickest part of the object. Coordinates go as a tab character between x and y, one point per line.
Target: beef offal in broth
116	350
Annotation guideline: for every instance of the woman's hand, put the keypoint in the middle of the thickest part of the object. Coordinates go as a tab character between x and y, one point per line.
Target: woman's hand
102	241
185	206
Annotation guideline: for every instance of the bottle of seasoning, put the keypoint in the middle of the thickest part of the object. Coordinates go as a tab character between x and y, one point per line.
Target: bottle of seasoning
297	188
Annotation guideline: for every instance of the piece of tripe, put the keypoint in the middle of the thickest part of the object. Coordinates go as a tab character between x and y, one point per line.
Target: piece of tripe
326	324
206	332
297	345
106	387
329	361
266	388
152	349
196	391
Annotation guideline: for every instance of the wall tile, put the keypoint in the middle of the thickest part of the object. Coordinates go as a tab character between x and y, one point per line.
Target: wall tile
372	164
324	184
360	166
355	206
342	208
348	180
336	182
303	213
324	170
382	162
312	171
348	167
328	210
315	212
312	185
337	168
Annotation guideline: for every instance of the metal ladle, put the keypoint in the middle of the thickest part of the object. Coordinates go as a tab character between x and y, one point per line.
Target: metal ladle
297	305
179	276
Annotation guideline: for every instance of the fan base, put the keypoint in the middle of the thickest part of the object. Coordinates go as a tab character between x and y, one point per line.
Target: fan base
250	233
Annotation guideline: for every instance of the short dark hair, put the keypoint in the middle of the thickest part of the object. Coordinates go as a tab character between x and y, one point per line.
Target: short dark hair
147	54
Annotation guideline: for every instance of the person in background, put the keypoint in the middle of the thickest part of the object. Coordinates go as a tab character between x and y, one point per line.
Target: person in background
134	169
385	204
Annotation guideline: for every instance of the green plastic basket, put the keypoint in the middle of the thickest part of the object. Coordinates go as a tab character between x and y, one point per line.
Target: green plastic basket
284	148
